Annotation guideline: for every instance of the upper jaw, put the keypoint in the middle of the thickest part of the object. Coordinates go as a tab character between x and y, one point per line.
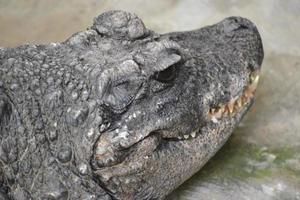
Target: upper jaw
237	102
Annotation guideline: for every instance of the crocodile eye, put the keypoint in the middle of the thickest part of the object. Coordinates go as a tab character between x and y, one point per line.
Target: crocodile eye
167	75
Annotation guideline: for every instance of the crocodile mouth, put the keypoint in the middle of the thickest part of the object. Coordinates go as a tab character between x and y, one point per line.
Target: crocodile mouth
146	150
236	103
215	115
230	108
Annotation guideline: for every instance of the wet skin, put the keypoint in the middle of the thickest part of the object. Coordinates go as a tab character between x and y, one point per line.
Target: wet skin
120	112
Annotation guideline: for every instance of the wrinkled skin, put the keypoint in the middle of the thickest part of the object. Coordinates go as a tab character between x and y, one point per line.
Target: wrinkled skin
120	112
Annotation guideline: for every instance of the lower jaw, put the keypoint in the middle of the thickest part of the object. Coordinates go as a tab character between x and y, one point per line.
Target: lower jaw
163	168
197	151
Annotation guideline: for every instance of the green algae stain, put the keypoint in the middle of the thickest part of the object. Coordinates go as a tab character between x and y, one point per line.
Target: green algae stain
241	160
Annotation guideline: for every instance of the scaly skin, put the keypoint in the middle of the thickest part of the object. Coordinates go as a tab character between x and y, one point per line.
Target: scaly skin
120	112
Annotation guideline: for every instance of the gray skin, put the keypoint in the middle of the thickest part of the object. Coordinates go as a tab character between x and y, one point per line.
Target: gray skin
107	114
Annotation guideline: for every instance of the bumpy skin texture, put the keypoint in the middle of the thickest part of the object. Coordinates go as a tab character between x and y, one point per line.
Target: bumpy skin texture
106	114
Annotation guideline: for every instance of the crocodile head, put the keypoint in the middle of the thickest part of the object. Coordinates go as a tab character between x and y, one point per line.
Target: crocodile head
169	101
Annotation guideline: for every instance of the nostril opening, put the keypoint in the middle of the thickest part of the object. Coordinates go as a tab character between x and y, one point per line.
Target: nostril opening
233	24
243	26
240	24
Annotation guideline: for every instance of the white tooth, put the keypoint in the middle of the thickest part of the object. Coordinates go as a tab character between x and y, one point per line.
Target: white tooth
239	102
214	119
254	78
226	111
248	94
193	134
252	87
222	108
219	113
230	106
186	136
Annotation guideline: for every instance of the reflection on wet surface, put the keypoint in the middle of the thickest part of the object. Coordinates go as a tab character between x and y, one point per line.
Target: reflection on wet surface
261	160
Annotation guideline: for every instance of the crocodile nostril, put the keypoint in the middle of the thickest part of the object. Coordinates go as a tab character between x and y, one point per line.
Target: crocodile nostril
236	20
242	26
238	24
232	24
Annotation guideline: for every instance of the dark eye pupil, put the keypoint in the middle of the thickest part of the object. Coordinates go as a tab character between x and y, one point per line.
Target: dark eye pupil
166	75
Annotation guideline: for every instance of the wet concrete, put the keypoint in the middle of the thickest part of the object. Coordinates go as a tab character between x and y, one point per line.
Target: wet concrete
261	160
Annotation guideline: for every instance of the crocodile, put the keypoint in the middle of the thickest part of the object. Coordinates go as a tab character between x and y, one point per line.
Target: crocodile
120	112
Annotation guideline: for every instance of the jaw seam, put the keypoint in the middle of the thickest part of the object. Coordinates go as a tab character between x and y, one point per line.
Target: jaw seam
237	103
